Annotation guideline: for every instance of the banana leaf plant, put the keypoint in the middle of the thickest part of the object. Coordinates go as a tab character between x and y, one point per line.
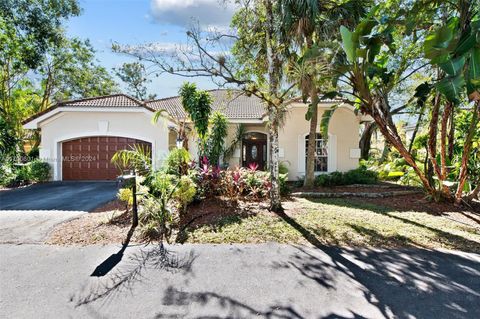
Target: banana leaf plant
372	67
454	48
365	76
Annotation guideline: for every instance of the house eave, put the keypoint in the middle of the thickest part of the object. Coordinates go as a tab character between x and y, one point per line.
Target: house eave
37	120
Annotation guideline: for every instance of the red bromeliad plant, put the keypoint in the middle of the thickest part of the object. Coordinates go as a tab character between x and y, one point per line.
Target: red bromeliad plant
232	183
253	166
208	178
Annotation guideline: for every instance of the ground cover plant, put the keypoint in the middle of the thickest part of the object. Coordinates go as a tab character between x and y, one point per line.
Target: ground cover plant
346	222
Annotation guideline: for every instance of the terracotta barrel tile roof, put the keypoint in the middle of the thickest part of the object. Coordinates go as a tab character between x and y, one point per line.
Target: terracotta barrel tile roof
115	100
233	103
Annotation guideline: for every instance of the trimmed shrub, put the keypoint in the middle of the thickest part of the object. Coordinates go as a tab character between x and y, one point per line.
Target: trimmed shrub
39	171
299	182
283	168
6	175
16	176
284	188
360	175
356	176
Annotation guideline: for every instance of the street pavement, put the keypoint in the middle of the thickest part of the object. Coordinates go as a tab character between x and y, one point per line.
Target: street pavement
236	281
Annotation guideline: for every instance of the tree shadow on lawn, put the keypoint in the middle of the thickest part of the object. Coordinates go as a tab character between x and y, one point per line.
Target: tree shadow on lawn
400	283
453	240
408	203
217	212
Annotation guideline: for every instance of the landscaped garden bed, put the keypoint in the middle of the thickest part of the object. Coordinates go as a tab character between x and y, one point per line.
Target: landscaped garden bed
400	221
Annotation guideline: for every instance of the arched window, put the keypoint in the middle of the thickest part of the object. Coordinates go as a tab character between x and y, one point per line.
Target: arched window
321	153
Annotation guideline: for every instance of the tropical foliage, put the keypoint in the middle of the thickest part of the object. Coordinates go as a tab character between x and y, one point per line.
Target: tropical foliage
386	48
40	65
12	175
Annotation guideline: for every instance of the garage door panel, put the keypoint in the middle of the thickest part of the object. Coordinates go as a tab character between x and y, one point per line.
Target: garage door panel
89	158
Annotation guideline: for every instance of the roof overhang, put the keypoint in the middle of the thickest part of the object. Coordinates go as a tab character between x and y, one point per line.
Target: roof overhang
246	121
36	121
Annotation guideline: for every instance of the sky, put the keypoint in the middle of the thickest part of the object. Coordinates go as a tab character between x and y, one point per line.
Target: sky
145	21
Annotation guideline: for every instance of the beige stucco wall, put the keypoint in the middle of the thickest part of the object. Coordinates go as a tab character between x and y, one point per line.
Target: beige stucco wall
172	139
71	125
343	138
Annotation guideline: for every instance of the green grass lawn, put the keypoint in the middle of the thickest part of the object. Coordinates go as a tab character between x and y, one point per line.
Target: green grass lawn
342	222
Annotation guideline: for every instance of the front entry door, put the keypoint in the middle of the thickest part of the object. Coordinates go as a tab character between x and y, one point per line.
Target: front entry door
254	151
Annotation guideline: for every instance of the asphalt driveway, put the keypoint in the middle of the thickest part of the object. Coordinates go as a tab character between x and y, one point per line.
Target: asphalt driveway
27	215
66	196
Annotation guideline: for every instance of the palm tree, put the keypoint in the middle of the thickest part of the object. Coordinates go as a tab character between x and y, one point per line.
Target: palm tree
312	25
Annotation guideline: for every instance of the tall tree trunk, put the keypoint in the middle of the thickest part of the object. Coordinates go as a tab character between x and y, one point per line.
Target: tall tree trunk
462	178
385	151
275	198
443	147
432	140
366	140
417	127
310	165
274	104
389	131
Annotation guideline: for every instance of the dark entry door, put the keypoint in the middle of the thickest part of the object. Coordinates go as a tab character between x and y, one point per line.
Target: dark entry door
254	151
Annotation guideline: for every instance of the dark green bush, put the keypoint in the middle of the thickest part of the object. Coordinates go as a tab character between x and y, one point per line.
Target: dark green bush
299	182
6	175
17	175
356	176
38	171
284	187
360	176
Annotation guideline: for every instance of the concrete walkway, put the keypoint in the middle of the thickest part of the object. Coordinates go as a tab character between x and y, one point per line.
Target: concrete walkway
33	226
237	281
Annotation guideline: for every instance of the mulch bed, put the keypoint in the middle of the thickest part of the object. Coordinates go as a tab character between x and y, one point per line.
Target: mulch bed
99	227
211	210
374	188
105	225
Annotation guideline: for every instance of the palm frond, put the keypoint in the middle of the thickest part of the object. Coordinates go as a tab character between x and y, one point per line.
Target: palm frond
325	121
138	157
158	114
239	134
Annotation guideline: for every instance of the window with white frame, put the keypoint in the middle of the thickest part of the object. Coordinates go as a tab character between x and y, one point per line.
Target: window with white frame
321	153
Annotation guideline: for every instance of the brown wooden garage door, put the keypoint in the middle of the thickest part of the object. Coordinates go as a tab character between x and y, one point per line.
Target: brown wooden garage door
89	158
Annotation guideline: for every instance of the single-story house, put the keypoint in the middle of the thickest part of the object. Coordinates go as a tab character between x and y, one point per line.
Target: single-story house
79	137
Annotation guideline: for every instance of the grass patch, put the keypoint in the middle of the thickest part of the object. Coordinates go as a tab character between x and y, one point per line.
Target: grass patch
342	222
